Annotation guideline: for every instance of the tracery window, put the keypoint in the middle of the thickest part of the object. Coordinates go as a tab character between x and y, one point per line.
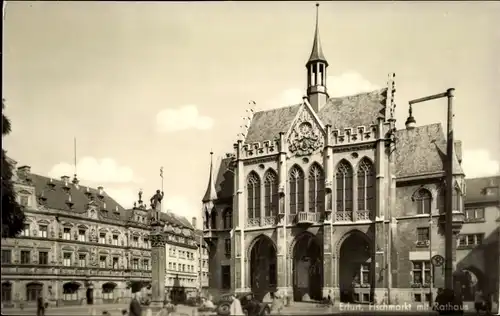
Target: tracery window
296	183
271	193
316	189
423	200
344	176
253	195
366	186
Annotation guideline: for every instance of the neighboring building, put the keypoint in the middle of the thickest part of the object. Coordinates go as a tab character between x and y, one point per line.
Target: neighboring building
81	246
182	264
78	244
478	243
326	197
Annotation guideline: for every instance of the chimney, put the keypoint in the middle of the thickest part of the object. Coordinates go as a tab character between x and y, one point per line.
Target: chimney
193	221
65	179
101	190
458	150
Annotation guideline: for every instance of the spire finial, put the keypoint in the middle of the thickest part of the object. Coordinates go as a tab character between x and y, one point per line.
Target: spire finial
211	193
317	51
410	121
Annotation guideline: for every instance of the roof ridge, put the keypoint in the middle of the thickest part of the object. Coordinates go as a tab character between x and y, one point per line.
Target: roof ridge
358	94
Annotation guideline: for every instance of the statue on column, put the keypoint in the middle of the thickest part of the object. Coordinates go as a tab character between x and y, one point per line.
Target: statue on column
156	204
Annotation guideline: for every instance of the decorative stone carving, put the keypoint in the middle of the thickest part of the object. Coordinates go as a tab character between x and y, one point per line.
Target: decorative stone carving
93	235
158	240
306	137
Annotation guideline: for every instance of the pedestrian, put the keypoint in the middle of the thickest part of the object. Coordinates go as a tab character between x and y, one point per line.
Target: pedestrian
277	304
479	302
40	306
135	308
235	308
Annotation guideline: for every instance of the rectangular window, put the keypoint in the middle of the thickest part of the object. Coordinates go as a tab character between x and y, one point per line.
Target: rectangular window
474	214
81	235
135	241
145	264
67	233
26	230
227	247
43	257
135	264
470	240
82	260
226	277
24	200
146	243
115	240
421	272
115	263
25	257
102	238
67	259
6	256
423	234
175	266
365	273
102	262
44	231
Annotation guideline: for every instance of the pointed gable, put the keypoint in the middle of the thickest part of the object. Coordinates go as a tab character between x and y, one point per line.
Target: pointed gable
306	134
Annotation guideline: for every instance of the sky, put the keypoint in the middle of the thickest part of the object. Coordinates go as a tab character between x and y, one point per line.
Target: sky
161	84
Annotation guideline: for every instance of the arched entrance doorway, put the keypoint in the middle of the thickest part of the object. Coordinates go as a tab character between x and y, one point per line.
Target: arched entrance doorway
108	292
469	280
89	294
263	274
354	268
307	268
70	293
33	291
6	292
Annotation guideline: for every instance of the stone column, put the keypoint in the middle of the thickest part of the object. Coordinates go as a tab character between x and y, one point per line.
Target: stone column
328	251
158	264
283	273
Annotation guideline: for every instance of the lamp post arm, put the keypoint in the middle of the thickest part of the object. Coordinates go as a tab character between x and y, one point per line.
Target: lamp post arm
429	98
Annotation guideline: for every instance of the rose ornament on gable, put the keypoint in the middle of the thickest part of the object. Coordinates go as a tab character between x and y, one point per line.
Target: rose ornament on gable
305	139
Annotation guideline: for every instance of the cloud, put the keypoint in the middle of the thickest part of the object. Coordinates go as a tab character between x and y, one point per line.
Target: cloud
478	163
348	83
183	118
123	195
100	171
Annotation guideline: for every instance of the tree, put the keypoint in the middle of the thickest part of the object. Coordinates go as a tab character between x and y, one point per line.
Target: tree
12	212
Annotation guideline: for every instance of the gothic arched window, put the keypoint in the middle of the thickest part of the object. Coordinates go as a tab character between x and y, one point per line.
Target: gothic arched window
253	195
228	218
270	193
366	186
213	219
344	187
296	183
457	200
423	199
316	189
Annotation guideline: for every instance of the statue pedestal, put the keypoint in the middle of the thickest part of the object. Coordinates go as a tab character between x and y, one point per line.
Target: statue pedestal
158	265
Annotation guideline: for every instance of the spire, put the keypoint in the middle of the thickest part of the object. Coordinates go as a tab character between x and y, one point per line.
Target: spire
317	51
210	194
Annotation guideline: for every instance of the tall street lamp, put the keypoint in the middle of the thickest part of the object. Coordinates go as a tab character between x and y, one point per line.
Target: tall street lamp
448	227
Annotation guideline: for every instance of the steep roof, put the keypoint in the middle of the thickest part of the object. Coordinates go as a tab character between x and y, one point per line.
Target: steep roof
224	182
361	109
486	189
421	150
266	125
56	196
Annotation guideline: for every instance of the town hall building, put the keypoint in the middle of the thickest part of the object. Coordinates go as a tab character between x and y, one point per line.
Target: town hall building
327	197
